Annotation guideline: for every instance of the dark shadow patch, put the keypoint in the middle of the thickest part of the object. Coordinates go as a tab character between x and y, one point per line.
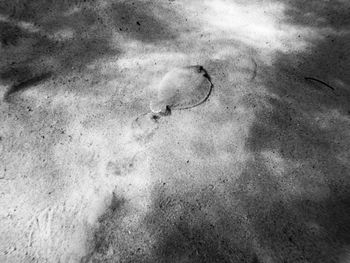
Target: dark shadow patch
36	11
139	20
63	37
106	235
9	34
308	128
49	36
334	14
196	227
189	227
293	229
329	58
25	84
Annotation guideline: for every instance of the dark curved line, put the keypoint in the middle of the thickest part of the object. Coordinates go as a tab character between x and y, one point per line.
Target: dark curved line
320	81
255	70
201	102
207	76
26	84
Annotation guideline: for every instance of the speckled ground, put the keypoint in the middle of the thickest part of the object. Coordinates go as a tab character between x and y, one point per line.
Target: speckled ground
260	172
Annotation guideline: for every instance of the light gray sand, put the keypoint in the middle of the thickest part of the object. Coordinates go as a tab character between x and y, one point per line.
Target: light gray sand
182	88
257	173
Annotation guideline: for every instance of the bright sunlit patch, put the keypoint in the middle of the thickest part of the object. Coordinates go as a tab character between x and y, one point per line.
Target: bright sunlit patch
258	25
72	11
26	26
275	162
154	60
64	34
90	189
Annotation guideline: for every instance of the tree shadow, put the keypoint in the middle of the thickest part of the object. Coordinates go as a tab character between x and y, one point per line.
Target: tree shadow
198	227
333	14
328	58
45	39
306	125
26	84
107	233
294	228
55	38
301	214
139	20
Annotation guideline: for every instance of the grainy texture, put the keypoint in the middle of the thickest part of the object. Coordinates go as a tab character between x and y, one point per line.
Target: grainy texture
257	173
182	88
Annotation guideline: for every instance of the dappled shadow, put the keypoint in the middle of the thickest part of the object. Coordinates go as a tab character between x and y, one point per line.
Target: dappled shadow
329	62
138	20
197	226
26	84
298	227
108	234
292	201
328	58
47	38
188	227
56	38
299	213
305	125
334	14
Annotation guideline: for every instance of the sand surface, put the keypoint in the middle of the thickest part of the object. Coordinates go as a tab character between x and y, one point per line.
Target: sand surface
260	172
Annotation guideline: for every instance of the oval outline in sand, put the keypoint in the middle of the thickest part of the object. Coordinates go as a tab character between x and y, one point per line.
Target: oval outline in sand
182	88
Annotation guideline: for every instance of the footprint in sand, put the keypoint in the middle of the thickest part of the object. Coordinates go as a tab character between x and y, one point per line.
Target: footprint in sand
180	88
125	166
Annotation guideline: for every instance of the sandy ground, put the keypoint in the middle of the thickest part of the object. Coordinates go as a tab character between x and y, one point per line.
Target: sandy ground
260	172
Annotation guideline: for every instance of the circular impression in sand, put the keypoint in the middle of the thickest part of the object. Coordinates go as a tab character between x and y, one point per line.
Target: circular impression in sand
181	88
